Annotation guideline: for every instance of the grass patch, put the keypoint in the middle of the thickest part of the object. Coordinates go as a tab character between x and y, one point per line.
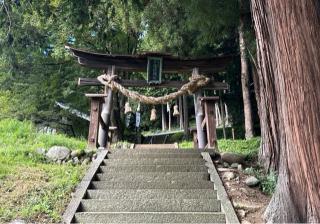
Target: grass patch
248	148
31	188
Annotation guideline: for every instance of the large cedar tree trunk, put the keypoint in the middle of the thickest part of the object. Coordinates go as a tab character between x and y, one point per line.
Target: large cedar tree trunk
266	94
245	81
288	34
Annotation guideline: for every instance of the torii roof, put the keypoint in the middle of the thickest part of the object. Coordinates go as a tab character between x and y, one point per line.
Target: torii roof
138	63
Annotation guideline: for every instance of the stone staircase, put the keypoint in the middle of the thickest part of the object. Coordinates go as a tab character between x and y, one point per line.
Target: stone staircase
149	185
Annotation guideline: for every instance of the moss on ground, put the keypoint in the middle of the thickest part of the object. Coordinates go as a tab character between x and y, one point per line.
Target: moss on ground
31	188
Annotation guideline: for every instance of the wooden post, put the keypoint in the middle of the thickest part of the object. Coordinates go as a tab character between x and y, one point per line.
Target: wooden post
193	132
181	112
95	109
210	120
164	118
105	115
222	117
233	136
185	117
199	115
169	112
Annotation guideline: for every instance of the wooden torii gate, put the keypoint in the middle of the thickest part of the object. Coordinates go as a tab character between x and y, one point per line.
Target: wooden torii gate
101	104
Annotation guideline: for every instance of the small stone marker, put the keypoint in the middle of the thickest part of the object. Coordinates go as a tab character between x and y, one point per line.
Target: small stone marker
252	181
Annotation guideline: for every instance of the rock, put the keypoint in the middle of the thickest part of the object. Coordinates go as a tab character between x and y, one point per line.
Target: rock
94	156
59	162
225	165
240	167
75	160
249	206
18	221
234	165
245	222
58	153
242	213
40	151
232	158
252	181
86	161
90	152
74	153
228	175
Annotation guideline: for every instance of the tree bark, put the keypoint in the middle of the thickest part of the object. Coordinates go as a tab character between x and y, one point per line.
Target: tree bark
270	145
288	34
245	81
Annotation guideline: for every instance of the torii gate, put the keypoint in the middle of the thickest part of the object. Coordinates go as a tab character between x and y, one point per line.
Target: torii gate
101	104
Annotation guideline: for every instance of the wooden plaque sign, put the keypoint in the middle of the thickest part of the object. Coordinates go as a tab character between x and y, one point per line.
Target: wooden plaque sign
154	70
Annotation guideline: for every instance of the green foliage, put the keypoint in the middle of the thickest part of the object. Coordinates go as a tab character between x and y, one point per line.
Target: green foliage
268	181
249	147
30	187
36	70
186	144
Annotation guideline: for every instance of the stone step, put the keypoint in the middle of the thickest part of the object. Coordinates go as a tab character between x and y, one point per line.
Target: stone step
149	217
155	161
153	176
150	205
139	194
153	155
152	168
153	150
156	146
167	184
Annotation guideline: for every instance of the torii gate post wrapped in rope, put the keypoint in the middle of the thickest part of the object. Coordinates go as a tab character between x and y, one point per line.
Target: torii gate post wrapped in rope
196	82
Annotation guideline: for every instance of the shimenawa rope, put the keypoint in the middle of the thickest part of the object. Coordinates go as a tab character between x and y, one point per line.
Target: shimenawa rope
196	81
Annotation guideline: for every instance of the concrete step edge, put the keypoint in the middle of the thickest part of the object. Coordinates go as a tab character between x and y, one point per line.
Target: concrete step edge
150	217
151	193
151	205
165	184
152	168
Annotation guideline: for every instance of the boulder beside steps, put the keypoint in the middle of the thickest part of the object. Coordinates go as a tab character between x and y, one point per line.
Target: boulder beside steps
151	185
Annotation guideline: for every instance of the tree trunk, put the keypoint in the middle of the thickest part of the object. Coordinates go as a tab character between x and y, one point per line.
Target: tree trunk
270	144
245	82
288	34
